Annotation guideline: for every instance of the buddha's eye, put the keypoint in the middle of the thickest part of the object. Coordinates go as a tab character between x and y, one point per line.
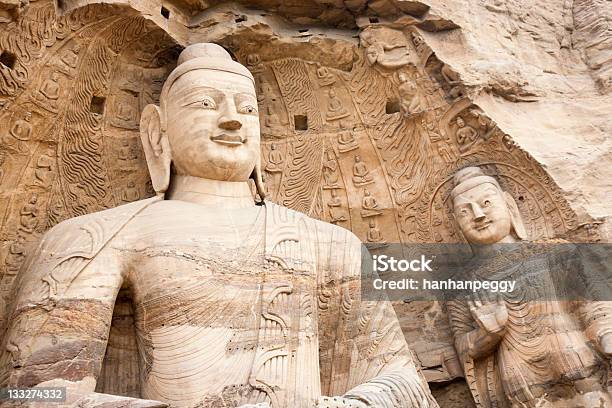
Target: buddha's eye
486	203
248	109
205	103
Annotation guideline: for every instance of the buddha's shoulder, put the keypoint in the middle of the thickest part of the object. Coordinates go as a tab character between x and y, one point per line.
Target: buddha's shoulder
324	230
99	225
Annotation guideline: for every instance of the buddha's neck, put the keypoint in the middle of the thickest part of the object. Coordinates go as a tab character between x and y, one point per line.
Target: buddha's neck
210	193
494	249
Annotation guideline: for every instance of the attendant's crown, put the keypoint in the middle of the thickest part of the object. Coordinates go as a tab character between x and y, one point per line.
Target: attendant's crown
470	177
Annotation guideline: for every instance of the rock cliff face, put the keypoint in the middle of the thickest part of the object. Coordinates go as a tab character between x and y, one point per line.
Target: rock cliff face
542	73
367	108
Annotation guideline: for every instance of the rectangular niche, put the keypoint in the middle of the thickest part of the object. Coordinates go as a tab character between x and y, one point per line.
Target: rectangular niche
97	105
8	59
301	122
392	106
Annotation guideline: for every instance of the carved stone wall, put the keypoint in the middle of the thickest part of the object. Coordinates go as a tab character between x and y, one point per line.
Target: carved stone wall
364	163
362	126
69	111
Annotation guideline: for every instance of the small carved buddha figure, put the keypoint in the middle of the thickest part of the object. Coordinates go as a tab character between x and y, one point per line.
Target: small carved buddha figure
361	174
335	107
50	89
346	139
70	57
334	205
263	89
374	234
133	76
432	130
254	63
271	118
410	98
466	135
525	348
22	128
131	193
324	76
44	167
15	256
330	174
275	160
29	214
126	152
374	52
386	47
225	292
485	123
369	205
126	109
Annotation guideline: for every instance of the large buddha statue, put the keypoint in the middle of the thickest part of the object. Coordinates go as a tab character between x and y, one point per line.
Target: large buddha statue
535	346
237	301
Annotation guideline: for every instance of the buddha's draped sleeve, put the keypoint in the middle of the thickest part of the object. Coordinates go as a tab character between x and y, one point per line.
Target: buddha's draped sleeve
364	355
58	323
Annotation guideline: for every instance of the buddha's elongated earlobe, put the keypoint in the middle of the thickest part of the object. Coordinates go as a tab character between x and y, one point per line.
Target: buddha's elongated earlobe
156	148
257	177
515	216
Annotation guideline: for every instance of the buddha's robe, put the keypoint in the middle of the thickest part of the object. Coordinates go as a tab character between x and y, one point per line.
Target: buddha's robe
230	307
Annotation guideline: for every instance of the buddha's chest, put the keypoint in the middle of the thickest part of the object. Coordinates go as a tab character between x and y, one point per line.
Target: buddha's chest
216	276
228	319
175	246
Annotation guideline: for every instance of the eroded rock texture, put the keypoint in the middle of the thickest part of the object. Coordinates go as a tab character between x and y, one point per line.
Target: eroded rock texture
367	108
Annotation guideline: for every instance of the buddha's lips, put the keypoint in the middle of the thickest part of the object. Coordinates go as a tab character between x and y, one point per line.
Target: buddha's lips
224	138
483	225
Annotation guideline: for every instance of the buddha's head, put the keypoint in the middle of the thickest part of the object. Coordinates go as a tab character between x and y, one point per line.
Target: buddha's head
484	212
207	124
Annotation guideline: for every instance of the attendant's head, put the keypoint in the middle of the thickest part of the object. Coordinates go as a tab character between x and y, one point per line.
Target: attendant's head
484	212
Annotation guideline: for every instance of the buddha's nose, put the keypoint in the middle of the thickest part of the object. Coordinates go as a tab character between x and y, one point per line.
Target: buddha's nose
478	214
229	124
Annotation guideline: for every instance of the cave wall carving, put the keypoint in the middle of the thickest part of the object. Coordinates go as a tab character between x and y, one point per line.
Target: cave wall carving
361	127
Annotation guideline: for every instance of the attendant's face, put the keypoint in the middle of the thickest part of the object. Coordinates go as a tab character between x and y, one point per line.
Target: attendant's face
482	214
213	125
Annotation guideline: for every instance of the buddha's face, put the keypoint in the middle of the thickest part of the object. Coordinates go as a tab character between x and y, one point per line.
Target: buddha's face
213	125
483	215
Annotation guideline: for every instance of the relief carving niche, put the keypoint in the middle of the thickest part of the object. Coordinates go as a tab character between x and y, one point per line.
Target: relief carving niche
362	126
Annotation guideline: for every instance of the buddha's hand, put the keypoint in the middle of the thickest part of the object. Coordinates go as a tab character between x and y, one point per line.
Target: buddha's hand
491	315
339	402
605	344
